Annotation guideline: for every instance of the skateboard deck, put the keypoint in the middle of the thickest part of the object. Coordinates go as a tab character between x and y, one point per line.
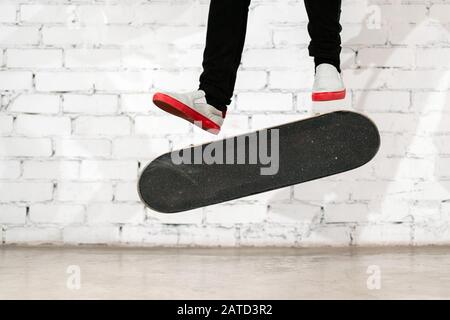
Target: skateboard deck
261	161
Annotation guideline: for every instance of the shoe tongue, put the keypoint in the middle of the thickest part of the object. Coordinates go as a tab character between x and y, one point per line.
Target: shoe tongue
201	100
326	68
200	96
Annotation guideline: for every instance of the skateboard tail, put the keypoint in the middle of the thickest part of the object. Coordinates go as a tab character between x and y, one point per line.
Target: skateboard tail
309	149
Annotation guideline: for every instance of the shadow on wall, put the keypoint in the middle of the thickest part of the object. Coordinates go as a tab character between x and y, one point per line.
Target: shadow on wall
399	198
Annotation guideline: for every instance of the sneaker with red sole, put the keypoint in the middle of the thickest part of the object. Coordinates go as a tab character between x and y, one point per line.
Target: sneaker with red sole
191	106
328	84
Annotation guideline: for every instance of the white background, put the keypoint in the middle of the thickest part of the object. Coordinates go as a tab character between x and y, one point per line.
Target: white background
77	122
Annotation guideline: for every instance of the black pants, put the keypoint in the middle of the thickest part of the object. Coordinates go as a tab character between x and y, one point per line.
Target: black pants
227	25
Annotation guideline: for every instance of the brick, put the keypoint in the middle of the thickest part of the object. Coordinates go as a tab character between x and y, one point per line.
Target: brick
395	122
25	191
159	13
410	13
149	235
360	35
25	147
430	101
418	79
19	35
82	148
428	191
90	104
152	125
264	236
443	167
433	57
126	191
134	81
34	58
346	212
271	58
106	14
139	148
175	81
259	36
48	170
183	218
90	234
381	101
99	35
325	235
440	12
425	211
136	57
65	81
274	12
426	146
92	58
261	121
84	192
124	81
47	13
293	212
431	234
371	190
405	168
33	235
225	214
6	125
57	213
9	169
386	57
389	210
394	144
322	191
115	213
11	214
8	13
383	234
234	125
37	125
136	103
289	35
265	101
15	80
102	126
291	80
176	36
251	80
424	34
35	103
207	236
108	170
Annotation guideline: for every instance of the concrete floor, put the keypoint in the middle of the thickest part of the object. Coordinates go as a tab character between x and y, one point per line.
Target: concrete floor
124	273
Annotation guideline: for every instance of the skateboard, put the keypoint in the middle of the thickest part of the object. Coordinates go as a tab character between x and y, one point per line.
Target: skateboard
257	162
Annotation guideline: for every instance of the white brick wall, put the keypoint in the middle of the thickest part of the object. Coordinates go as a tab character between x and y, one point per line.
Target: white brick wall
77	123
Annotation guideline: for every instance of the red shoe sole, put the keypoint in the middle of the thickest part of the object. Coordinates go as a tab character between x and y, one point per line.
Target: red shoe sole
329	96
185	112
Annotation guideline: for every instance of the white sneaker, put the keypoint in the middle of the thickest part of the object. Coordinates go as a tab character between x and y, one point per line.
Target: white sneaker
328	84
191	106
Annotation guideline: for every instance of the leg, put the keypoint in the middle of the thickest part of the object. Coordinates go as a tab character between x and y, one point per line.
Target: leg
324	29
227	25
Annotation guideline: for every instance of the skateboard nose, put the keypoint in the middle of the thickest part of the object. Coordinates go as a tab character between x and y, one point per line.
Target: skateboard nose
161	187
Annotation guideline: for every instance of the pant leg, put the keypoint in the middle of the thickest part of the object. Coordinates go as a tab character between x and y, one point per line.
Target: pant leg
227	25
324	29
